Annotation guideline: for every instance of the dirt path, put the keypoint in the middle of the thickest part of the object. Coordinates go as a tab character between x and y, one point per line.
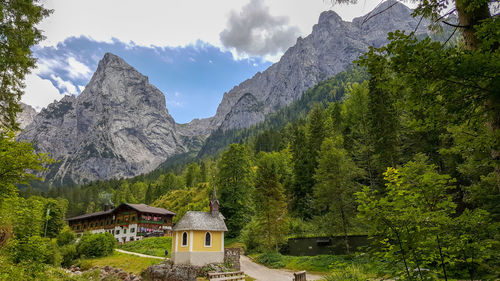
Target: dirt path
262	273
140	255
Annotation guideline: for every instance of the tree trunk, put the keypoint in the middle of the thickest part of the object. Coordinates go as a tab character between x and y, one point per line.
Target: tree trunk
468	21
344	225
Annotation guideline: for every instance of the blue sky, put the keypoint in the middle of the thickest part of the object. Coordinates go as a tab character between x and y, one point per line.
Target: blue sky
193	78
192	50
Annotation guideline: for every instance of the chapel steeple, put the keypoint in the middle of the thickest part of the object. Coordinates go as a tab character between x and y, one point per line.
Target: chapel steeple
214	204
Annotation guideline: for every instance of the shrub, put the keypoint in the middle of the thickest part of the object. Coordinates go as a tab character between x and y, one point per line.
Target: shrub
249	238
272	259
351	273
96	245
66	236
84	264
31	249
69	255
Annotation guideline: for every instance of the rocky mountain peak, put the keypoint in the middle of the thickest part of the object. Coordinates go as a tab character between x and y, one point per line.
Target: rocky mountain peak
26	116
329	18
328	50
117	127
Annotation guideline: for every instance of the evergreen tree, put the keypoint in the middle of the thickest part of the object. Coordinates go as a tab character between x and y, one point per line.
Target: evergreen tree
271	215
235	183
303	171
336	183
358	140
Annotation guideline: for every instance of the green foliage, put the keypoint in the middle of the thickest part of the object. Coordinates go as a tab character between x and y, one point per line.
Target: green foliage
17	161
235	185
334	192
69	254
413	222
183	200
271	217
66	236
18	33
34	249
96	245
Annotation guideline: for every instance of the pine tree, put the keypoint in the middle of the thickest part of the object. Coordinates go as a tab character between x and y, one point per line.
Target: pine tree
235	185
271	215
336	183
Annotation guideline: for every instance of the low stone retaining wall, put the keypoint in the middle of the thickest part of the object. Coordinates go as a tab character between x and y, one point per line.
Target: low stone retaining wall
168	271
232	258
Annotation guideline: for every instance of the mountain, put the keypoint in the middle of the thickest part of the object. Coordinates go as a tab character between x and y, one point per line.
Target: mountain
117	127
26	116
328	50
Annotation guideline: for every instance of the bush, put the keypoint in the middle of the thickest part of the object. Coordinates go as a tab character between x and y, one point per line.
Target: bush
84	264
34	249
96	245
249	238
272	259
351	273
67	236
69	255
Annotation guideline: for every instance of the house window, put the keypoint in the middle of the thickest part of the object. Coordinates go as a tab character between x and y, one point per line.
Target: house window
132	230
117	231
124	231
184	239
208	239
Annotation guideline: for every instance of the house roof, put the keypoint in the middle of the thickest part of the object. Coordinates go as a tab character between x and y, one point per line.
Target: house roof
143	208
96	214
148	209
201	221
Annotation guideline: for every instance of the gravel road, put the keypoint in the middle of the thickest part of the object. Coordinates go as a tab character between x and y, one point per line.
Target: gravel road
262	273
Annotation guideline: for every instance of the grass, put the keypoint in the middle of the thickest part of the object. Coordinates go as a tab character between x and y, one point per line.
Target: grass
233	243
333	264
153	246
129	263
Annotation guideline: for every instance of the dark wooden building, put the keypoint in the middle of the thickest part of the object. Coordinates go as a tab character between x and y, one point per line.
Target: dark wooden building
127	222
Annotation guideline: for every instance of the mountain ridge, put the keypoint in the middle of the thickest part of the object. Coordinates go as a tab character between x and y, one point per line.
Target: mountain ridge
119	125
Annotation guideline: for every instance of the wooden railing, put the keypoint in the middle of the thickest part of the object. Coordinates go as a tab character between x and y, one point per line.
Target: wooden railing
226	276
299	276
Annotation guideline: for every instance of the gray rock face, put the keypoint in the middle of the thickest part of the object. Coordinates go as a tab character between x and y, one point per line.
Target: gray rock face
26	116
328	50
117	127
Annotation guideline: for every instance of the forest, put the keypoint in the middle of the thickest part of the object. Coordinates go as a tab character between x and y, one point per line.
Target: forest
403	147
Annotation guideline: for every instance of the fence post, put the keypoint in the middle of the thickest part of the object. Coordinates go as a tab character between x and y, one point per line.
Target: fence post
300	276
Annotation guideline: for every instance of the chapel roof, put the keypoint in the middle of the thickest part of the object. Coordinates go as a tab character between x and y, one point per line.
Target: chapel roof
193	220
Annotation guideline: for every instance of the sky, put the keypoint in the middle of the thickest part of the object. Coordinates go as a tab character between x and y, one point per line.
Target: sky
192	50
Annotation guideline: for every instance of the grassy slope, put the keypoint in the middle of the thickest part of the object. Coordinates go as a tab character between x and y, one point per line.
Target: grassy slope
153	246
183	200
129	263
320	264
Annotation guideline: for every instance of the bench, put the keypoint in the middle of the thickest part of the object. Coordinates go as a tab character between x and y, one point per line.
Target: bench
299	276
226	276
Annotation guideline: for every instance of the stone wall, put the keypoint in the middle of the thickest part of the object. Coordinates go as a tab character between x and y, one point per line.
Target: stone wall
167	271
232	257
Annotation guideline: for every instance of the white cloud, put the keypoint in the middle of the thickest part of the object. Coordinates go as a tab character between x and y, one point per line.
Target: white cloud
172	22
77	69
64	85
81	88
39	92
47	66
